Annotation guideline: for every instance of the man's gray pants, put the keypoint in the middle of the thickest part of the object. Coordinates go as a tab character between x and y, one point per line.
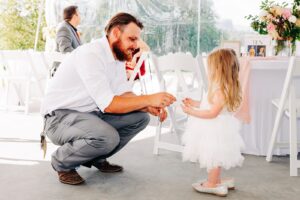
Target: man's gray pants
90	137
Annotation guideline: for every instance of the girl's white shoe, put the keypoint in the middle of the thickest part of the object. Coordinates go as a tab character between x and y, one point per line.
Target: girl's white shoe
220	190
229	183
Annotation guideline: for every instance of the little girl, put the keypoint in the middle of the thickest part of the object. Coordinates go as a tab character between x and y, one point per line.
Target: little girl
212	134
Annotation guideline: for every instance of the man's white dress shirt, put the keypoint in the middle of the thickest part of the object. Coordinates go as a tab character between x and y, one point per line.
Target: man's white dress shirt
86	80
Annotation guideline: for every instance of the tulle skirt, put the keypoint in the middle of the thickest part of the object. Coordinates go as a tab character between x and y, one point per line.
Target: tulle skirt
213	142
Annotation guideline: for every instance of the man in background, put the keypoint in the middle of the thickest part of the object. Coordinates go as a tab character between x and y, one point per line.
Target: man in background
67	36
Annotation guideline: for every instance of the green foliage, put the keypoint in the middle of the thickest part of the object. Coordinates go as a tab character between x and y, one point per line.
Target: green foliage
185	35
18	23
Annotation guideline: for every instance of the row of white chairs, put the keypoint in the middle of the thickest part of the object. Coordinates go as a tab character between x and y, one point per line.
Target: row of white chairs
24	76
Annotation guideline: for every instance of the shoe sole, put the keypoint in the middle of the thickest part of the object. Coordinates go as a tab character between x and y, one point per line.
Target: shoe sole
219	195
72	183
229	188
104	171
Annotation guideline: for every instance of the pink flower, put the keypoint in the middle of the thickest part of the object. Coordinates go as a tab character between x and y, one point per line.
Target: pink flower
271	27
286	13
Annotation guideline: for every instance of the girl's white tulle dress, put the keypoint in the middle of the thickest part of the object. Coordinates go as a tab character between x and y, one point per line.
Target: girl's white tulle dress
213	142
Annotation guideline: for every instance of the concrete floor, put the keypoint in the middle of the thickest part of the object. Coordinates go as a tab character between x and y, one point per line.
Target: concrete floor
25	175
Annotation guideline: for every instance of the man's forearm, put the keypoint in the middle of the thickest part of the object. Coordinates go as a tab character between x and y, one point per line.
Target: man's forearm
128	103
131	94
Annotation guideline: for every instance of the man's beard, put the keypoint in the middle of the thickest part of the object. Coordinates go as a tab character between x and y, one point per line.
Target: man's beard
120	52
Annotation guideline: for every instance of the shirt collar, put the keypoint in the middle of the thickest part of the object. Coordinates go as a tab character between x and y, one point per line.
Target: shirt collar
75	29
108	50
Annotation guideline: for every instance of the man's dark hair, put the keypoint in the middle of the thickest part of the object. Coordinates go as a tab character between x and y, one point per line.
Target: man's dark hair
122	19
69	12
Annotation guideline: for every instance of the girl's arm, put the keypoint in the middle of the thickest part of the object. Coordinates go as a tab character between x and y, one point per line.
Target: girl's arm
213	112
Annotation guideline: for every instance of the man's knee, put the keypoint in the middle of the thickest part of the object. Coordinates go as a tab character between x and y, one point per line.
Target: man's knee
139	122
143	119
106	143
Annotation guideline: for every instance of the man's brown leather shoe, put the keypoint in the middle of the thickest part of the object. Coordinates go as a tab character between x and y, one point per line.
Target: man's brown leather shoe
106	167
70	177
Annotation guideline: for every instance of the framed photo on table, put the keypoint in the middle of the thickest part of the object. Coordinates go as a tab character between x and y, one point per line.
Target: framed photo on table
232	44
258	45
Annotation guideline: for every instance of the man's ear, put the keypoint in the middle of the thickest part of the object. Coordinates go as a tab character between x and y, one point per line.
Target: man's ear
116	32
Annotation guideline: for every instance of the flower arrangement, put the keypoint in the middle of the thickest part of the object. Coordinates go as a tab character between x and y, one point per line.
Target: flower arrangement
281	22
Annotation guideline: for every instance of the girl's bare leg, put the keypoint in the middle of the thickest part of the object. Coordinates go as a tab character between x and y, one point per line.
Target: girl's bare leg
214	178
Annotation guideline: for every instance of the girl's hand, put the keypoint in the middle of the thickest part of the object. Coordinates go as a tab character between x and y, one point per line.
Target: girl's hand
187	109
190	102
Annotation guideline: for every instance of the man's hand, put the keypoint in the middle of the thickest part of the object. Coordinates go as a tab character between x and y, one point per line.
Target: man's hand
161	113
161	100
153	110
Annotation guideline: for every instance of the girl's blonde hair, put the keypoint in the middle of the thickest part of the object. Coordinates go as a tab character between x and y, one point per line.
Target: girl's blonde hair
223	72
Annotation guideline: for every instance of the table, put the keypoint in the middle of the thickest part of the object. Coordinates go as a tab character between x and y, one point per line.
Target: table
266	80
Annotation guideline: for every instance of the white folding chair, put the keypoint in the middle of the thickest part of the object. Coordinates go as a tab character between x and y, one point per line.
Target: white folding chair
53	57
39	69
144	57
288	105
202	72
18	70
179	64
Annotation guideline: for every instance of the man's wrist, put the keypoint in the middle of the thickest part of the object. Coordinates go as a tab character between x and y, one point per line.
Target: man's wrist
146	100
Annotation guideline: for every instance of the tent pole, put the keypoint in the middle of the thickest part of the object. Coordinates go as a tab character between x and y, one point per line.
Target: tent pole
37	32
199	20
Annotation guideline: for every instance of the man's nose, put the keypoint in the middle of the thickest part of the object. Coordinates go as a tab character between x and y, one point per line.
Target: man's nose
134	45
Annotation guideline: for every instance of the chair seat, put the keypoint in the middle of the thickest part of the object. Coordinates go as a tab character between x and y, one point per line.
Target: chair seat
21	78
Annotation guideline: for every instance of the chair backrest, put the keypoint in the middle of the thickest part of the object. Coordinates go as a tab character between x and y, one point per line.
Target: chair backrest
2	64
39	69
54	56
176	61
181	67
17	63
293	73
138	66
202	72
296	68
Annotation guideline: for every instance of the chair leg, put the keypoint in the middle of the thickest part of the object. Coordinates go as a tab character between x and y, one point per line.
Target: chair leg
27	97
293	135
157	138
6	94
274	134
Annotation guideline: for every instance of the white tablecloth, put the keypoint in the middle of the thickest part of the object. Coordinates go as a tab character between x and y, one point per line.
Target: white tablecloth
266	83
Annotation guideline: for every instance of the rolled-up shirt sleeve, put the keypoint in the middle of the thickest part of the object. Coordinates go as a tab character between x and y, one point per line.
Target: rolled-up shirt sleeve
124	87
92	73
